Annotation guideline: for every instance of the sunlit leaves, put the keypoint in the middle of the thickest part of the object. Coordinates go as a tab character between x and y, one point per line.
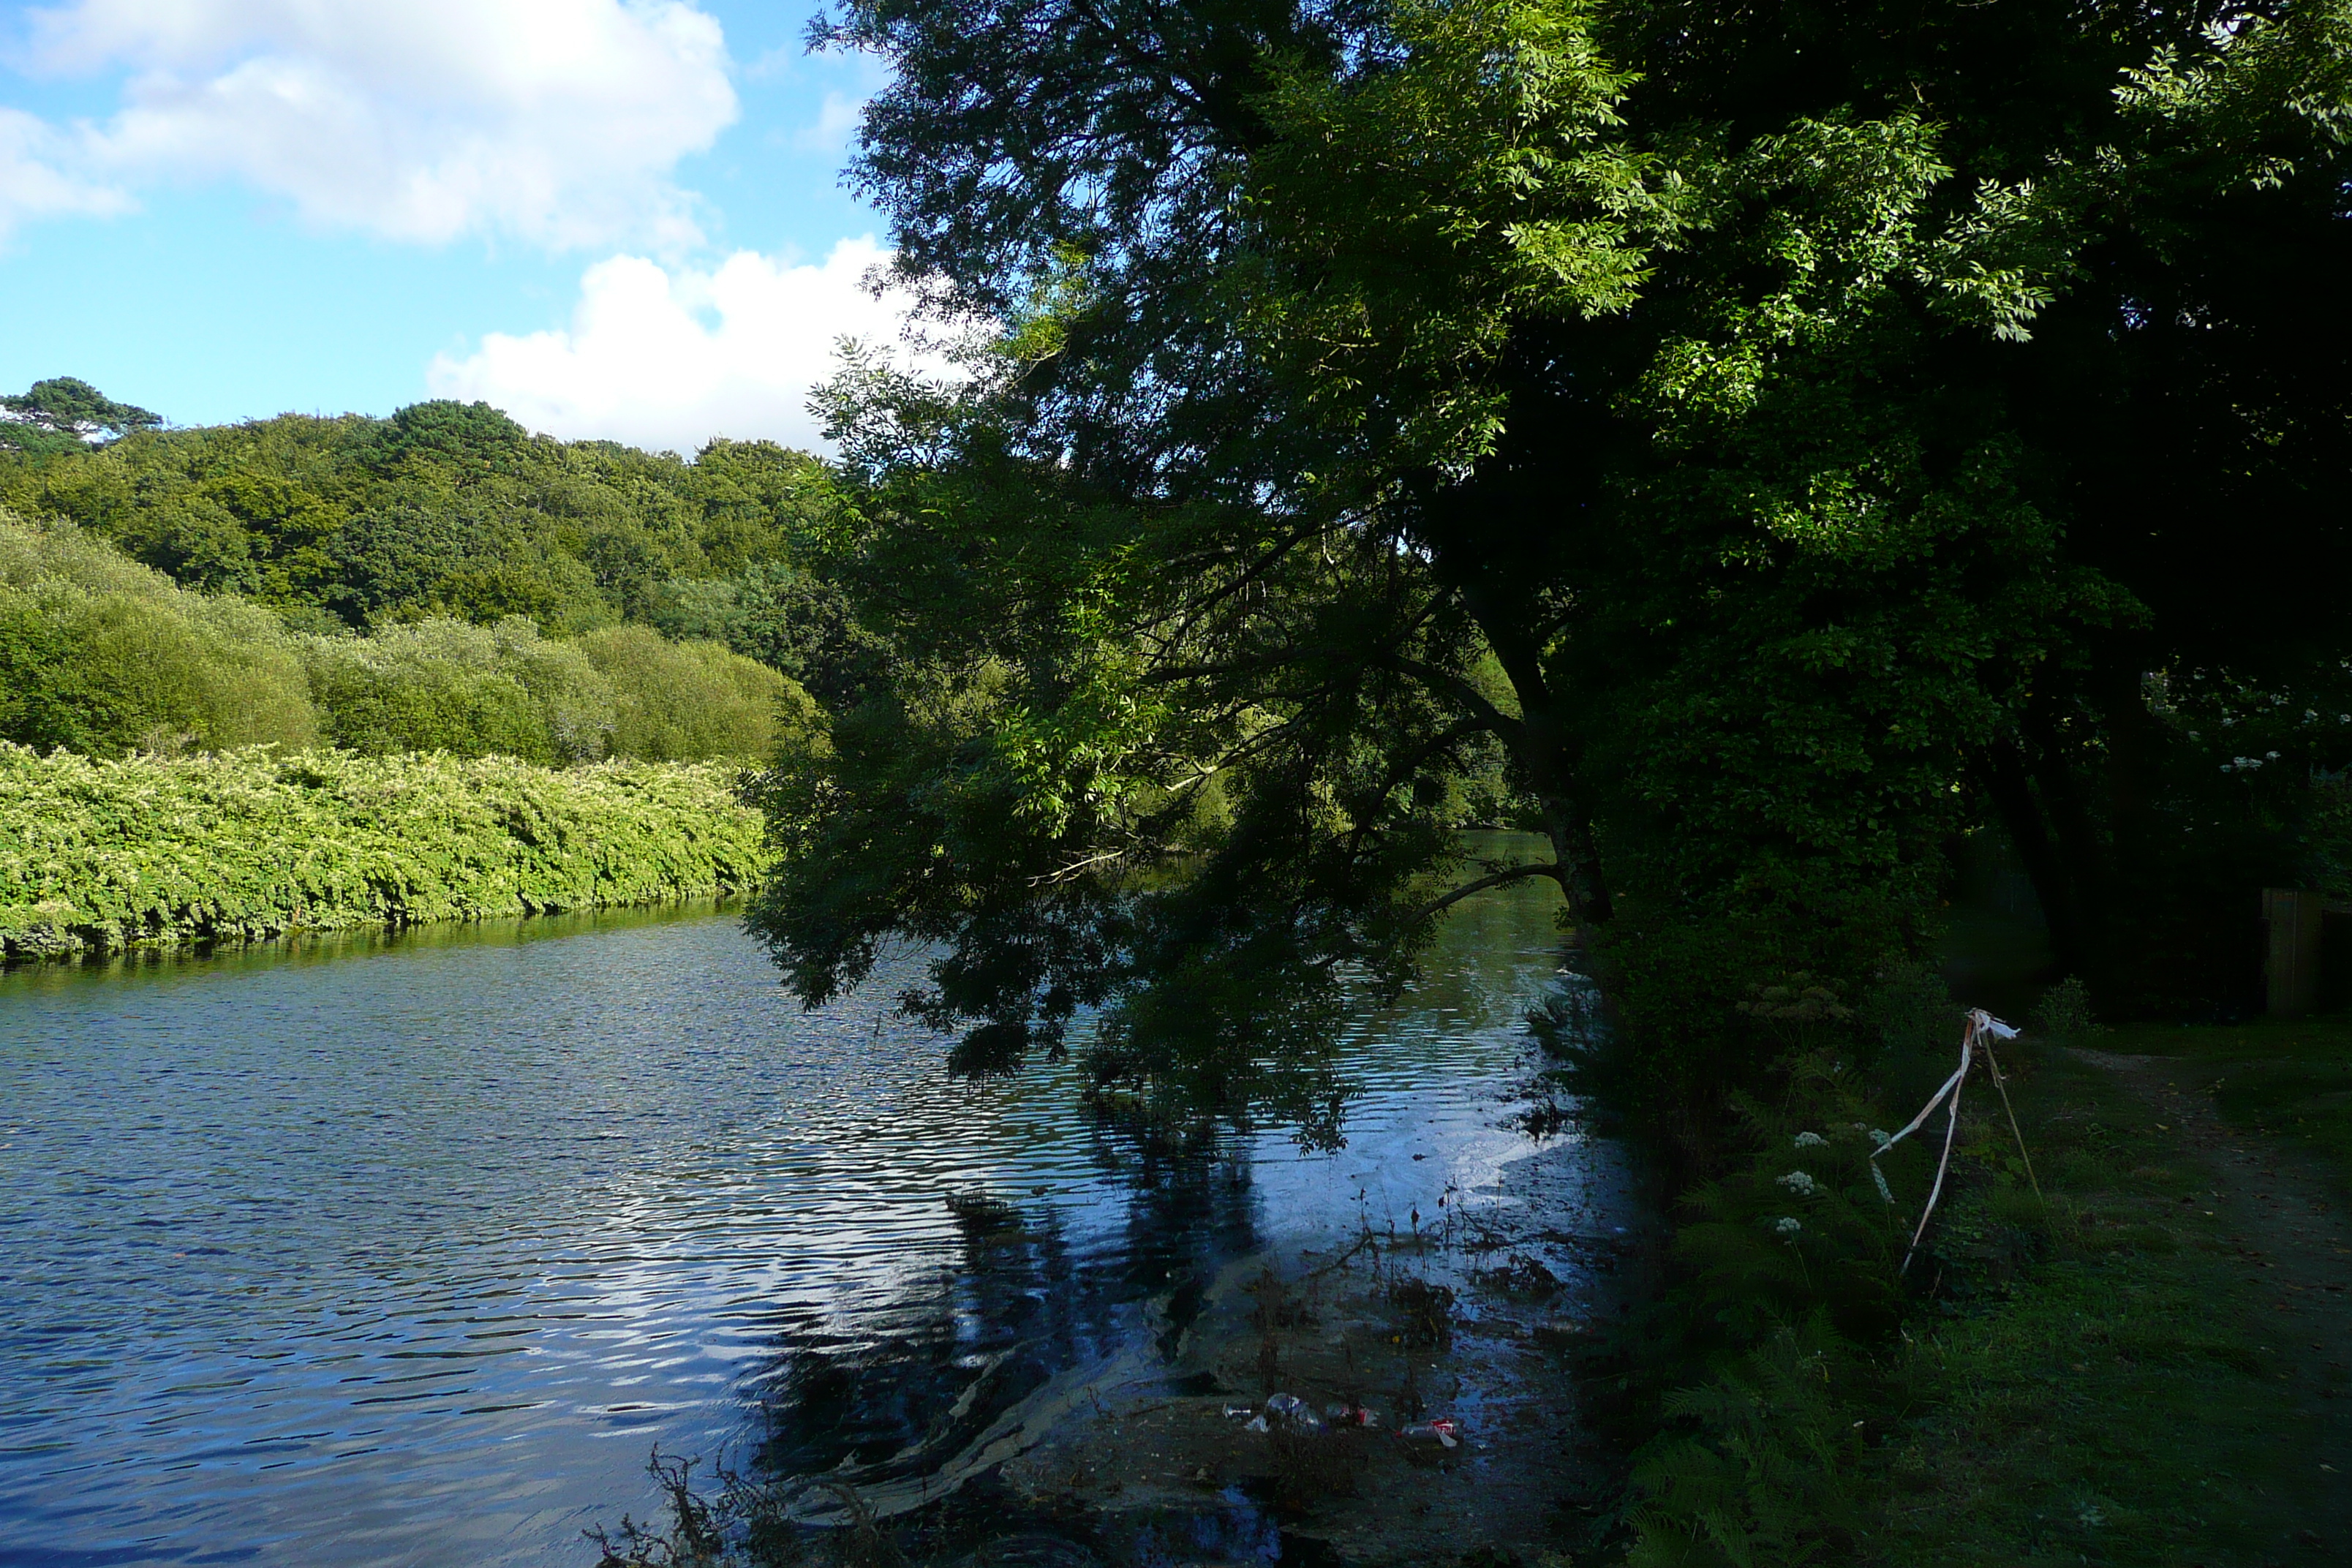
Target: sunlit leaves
152	851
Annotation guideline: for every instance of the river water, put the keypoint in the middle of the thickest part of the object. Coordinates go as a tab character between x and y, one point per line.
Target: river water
409	1251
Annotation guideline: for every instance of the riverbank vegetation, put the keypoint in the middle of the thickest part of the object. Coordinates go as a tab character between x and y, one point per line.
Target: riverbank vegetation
104	855
178	766
445	511
1812	454
105	657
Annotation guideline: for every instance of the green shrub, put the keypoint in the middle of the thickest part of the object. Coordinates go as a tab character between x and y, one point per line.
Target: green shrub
104	657
36	553
2063	1013
404	691
98	856
445	686
690	701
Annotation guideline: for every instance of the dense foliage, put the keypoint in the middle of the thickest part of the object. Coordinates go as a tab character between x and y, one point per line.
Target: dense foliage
65	413
101	857
442	509
102	656
1793	438
1798	440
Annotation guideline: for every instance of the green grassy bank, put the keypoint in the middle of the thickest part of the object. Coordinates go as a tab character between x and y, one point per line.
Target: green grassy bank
2285	1077
98	856
2144	1365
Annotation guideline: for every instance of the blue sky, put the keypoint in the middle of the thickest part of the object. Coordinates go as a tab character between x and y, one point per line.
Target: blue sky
614	216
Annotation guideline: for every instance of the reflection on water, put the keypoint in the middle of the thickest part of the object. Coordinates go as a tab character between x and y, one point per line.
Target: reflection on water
407	1251
1020	1300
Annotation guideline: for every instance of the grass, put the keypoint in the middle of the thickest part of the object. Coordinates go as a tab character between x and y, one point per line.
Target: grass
2131	1400
2285	1077
2099	1376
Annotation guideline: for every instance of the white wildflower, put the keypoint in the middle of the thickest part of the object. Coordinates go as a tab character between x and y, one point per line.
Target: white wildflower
1786	1225
1811	1141
1801	1183
1878	1178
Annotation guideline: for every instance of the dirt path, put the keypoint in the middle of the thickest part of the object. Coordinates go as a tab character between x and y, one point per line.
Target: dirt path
2288	1227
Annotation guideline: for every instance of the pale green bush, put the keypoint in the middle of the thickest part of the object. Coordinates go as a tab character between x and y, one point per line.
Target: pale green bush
574	702
35	553
688	700
102	656
445	686
422	689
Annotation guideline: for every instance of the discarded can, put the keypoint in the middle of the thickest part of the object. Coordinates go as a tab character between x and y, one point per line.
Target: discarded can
1446	1429
1235	1412
1350	1416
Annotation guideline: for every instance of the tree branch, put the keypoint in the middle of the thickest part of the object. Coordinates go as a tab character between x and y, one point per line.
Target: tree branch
1461	690
1510	874
1409	764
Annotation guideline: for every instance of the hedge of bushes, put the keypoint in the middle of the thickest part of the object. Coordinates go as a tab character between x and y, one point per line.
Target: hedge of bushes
104	657
100	855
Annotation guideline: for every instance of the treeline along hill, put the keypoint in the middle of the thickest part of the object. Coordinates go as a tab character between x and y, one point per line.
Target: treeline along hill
438	582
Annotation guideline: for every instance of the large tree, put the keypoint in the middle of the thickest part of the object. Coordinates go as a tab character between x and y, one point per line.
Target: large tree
1777	436
65	413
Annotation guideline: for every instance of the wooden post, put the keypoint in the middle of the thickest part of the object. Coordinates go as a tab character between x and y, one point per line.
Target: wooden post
2291	968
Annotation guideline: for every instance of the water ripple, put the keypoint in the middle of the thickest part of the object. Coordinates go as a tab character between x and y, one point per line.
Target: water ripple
410	1254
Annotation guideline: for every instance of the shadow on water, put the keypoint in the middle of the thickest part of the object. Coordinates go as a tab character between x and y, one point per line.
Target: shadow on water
1041	1403
313	947
1405	1309
894	1398
387	1249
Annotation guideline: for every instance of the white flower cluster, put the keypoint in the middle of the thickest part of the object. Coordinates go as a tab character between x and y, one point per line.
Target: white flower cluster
1811	1141
1785	1225
2248	764
1801	1183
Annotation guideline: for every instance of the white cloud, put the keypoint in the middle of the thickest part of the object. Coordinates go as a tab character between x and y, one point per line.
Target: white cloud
835	122
555	121
664	358
35	180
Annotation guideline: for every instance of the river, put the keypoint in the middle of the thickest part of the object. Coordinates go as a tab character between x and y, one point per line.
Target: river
409	1251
